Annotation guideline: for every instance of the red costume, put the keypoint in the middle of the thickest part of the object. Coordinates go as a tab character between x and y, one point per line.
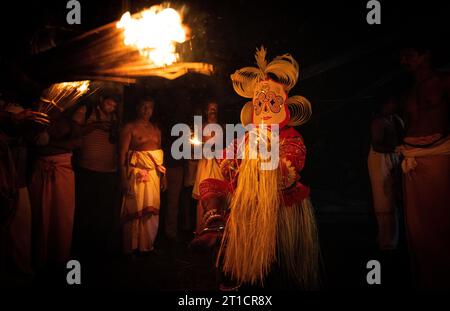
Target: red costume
262	211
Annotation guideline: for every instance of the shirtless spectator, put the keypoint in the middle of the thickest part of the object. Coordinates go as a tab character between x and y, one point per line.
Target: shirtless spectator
142	175
426	168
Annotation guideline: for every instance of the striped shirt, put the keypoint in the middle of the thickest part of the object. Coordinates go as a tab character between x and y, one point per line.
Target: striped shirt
97	153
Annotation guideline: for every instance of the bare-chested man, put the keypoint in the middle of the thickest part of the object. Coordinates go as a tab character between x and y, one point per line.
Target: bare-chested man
426	168
141	161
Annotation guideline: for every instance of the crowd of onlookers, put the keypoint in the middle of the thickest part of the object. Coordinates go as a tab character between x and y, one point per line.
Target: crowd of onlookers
72	186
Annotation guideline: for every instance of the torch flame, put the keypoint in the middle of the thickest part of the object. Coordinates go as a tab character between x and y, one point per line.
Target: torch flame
81	87
155	33
62	95
195	141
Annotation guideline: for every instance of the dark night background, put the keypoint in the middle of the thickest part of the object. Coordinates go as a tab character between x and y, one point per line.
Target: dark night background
347	68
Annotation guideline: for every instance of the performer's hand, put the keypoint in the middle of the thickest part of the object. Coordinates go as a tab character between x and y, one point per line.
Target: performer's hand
164	183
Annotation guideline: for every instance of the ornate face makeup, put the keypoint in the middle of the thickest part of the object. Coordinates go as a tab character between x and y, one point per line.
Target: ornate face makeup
269	104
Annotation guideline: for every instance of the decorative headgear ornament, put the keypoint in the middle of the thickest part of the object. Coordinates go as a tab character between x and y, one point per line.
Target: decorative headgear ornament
268	85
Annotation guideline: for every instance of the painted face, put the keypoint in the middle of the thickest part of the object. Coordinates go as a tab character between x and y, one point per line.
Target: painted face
269	104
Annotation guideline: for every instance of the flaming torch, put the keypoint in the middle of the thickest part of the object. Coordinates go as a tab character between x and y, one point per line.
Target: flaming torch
138	45
62	95
194	140
143	31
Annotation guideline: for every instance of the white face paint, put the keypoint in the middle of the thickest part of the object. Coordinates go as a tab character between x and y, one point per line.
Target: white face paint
269	104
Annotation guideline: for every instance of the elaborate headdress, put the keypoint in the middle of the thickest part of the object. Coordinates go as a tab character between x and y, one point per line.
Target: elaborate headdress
262	227
269	83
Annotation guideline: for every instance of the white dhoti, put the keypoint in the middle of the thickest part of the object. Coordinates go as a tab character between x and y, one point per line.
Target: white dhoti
140	209
382	168
207	168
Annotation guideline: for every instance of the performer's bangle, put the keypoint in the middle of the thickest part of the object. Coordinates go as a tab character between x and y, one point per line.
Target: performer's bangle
212	218
208	214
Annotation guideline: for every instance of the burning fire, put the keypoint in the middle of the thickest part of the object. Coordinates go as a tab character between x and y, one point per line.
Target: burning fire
81	87
155	33
63	95
195	141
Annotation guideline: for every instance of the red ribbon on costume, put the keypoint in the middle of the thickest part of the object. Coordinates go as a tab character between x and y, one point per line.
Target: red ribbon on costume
213	188
295	194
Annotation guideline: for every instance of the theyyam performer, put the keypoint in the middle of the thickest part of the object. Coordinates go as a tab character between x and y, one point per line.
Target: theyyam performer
261	214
